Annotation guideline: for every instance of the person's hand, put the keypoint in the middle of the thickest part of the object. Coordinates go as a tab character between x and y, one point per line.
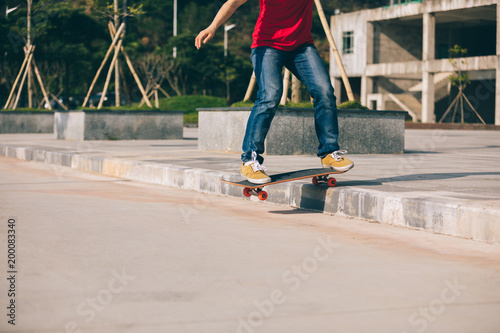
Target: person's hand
204	36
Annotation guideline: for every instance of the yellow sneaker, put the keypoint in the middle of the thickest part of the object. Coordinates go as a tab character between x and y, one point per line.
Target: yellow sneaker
254	172
337	162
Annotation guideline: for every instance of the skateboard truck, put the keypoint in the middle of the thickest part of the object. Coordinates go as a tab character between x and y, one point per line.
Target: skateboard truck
324	180
258	192
262	195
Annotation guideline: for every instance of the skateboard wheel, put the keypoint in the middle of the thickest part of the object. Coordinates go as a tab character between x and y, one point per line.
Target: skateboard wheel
247	192
262	195
315	181
332	182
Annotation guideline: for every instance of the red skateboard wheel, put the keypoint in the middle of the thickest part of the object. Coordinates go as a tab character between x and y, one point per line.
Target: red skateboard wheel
332	182
247	192
263	195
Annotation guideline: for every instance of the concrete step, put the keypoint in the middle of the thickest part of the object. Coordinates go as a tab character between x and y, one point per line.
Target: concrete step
408	103
440	80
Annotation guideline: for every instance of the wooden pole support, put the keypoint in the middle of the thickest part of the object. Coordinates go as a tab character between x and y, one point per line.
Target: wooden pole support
42	87
296	96
448	109
473	109
143	101
132	70
336	53
26	56
22	81
251	85
111	47
55	98
286	84
108	77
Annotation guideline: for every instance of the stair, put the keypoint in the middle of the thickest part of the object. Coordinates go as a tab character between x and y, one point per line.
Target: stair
440	81
405	102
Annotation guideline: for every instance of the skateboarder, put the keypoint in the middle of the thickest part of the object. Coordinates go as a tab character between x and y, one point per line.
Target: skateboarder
282	37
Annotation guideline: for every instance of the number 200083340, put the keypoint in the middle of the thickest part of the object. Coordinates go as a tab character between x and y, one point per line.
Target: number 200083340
11	240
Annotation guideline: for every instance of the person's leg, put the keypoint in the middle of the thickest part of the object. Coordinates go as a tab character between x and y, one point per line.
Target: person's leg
309	68
268	64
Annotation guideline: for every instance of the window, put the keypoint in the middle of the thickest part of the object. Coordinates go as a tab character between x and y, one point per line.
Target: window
348	42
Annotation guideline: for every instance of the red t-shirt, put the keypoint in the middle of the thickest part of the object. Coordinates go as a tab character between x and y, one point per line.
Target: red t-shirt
284	24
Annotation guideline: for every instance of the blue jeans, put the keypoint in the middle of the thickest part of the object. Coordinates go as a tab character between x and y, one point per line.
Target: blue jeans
306	64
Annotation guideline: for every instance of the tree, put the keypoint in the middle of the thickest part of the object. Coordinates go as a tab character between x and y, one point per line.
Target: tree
460	80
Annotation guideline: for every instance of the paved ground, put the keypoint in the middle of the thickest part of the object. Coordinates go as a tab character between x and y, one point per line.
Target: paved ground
100	254
446	182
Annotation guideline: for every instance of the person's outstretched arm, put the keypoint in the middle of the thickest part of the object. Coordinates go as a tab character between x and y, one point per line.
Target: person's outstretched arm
224	13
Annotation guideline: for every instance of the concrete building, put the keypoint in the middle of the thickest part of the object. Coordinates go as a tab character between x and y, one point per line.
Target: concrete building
397	57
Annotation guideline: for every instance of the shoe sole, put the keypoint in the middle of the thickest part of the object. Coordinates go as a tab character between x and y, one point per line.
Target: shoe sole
257	181
341	169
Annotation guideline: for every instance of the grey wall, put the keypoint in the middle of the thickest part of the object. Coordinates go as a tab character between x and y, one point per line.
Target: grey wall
119	125
26	122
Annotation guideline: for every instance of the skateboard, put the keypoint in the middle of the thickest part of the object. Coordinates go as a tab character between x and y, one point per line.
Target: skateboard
319	176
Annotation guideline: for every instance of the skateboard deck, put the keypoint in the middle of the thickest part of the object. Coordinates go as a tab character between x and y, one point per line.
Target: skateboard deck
319	176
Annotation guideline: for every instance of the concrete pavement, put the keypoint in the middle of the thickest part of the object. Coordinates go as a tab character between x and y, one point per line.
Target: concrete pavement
103	255
447	181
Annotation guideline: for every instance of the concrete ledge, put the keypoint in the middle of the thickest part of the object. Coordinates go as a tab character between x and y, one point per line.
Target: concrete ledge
118	125
292	131
452	126
432	212
26	121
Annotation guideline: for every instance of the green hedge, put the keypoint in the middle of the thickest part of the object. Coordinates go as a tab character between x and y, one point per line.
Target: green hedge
189	104
352	105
